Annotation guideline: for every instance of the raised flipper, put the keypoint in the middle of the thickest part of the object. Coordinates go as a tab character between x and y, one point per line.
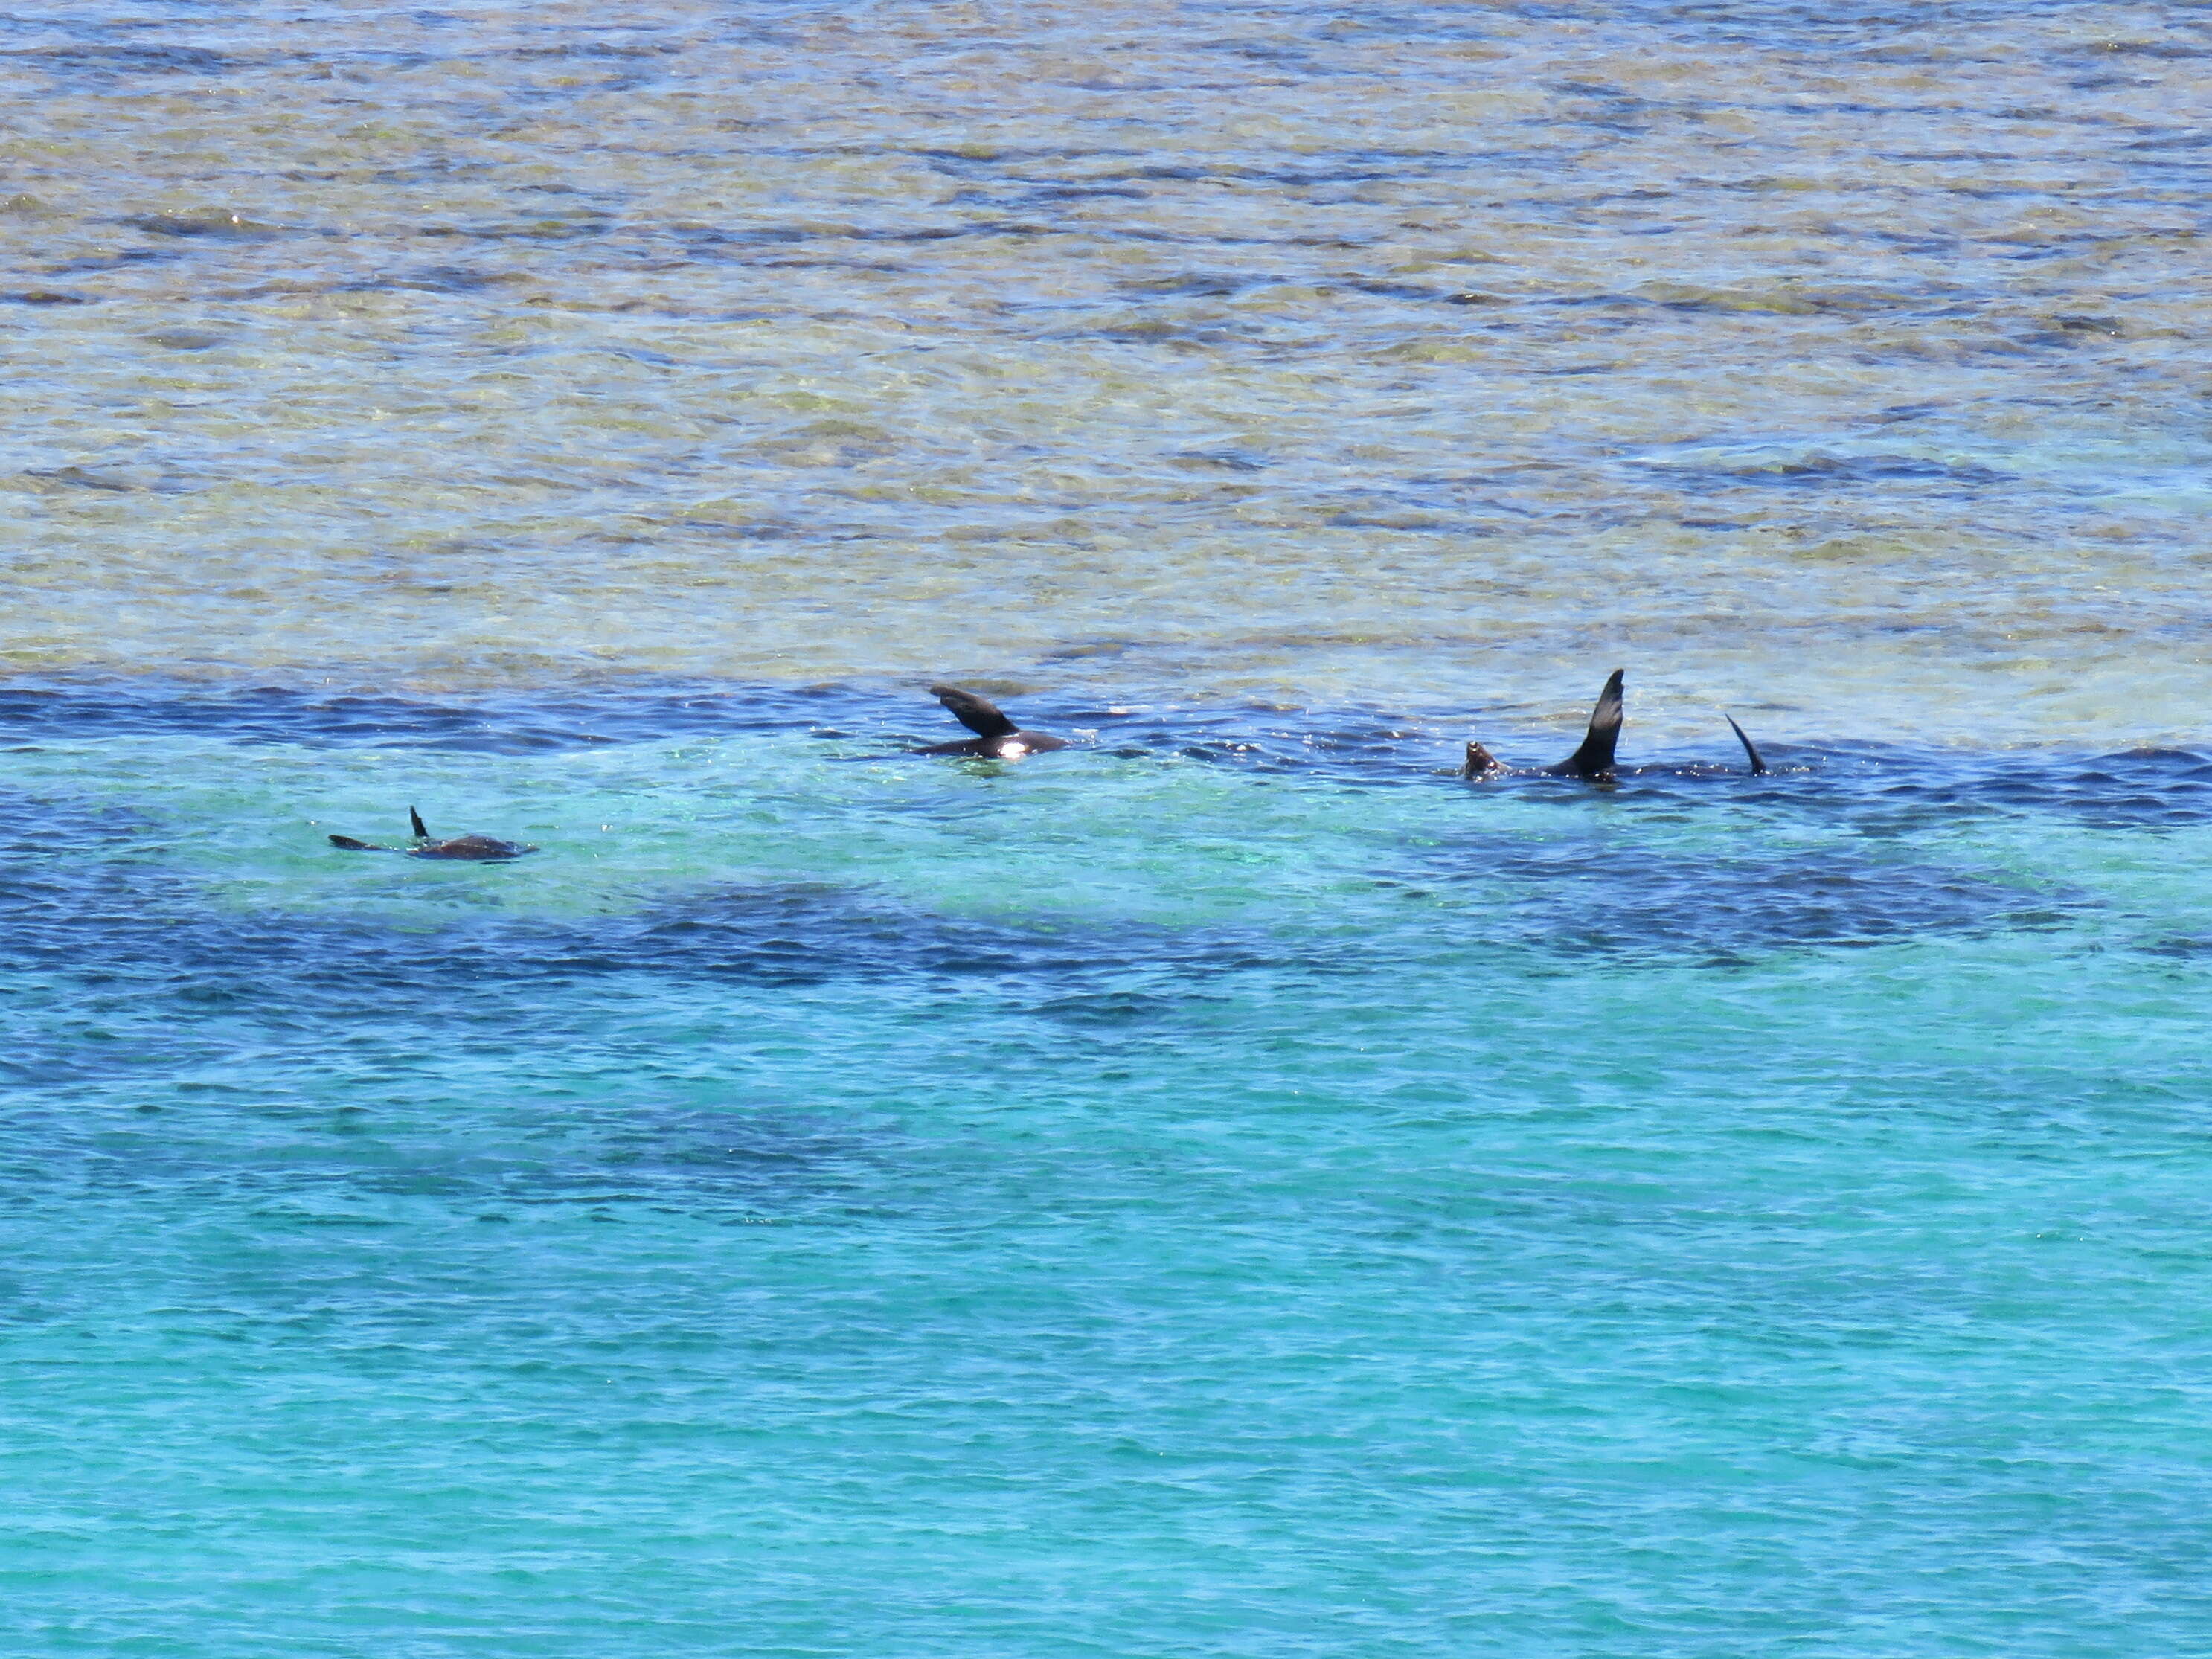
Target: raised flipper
1758	764
415	822
978	714
1594	759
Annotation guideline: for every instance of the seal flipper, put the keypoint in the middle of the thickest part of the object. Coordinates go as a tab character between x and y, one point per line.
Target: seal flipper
1757	764
415	822
353	846
1594	759
978	714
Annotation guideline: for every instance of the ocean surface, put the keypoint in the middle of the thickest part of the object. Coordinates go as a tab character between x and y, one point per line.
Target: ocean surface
1231	1187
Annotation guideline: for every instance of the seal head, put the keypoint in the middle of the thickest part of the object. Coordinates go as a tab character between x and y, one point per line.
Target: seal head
1481	763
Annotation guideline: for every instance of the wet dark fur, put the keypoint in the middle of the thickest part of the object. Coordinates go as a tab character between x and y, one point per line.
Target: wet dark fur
479	849
1593	759
997	736
1758	761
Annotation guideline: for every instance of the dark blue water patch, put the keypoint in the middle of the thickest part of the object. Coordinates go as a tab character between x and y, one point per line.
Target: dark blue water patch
1898	793
1596	878
126	978
78	903
1224	459
301	1143
108	62
184	226
36	830
618	50
1199	285
1880	789
1604	896
95	262
73	899
2174	49
513	725
156	986
1427	24
2185	140
1820	468
1186	336
77	477
1082	193
435	279
658	1147
722	243
1887	788
1885	28
783	1160
770	236
554	228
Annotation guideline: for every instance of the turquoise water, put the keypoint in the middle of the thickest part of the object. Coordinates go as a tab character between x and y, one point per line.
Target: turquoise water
1199	1191
1232	1187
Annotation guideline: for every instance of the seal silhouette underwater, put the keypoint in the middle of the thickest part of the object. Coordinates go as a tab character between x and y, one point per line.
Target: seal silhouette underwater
481	849
997	736
1592	760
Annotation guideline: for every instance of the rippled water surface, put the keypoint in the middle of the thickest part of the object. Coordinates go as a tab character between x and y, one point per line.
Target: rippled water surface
1839	355
1232	1187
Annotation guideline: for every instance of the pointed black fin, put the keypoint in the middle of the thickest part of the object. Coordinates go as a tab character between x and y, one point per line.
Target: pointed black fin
1758	762
1594	759
978	714
415	821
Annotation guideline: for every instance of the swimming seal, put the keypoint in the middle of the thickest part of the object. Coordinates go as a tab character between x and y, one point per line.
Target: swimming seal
997	736
1592	762
1593	759
481	849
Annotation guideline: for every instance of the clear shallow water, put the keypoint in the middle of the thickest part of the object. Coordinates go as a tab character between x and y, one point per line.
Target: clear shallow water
1842	358
1230	1187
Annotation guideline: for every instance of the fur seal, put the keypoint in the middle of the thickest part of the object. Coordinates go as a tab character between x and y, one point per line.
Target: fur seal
997	736
483	849
1593	759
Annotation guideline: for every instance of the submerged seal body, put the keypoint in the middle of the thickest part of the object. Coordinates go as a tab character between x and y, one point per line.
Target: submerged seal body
481	849
997	736
1592	760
